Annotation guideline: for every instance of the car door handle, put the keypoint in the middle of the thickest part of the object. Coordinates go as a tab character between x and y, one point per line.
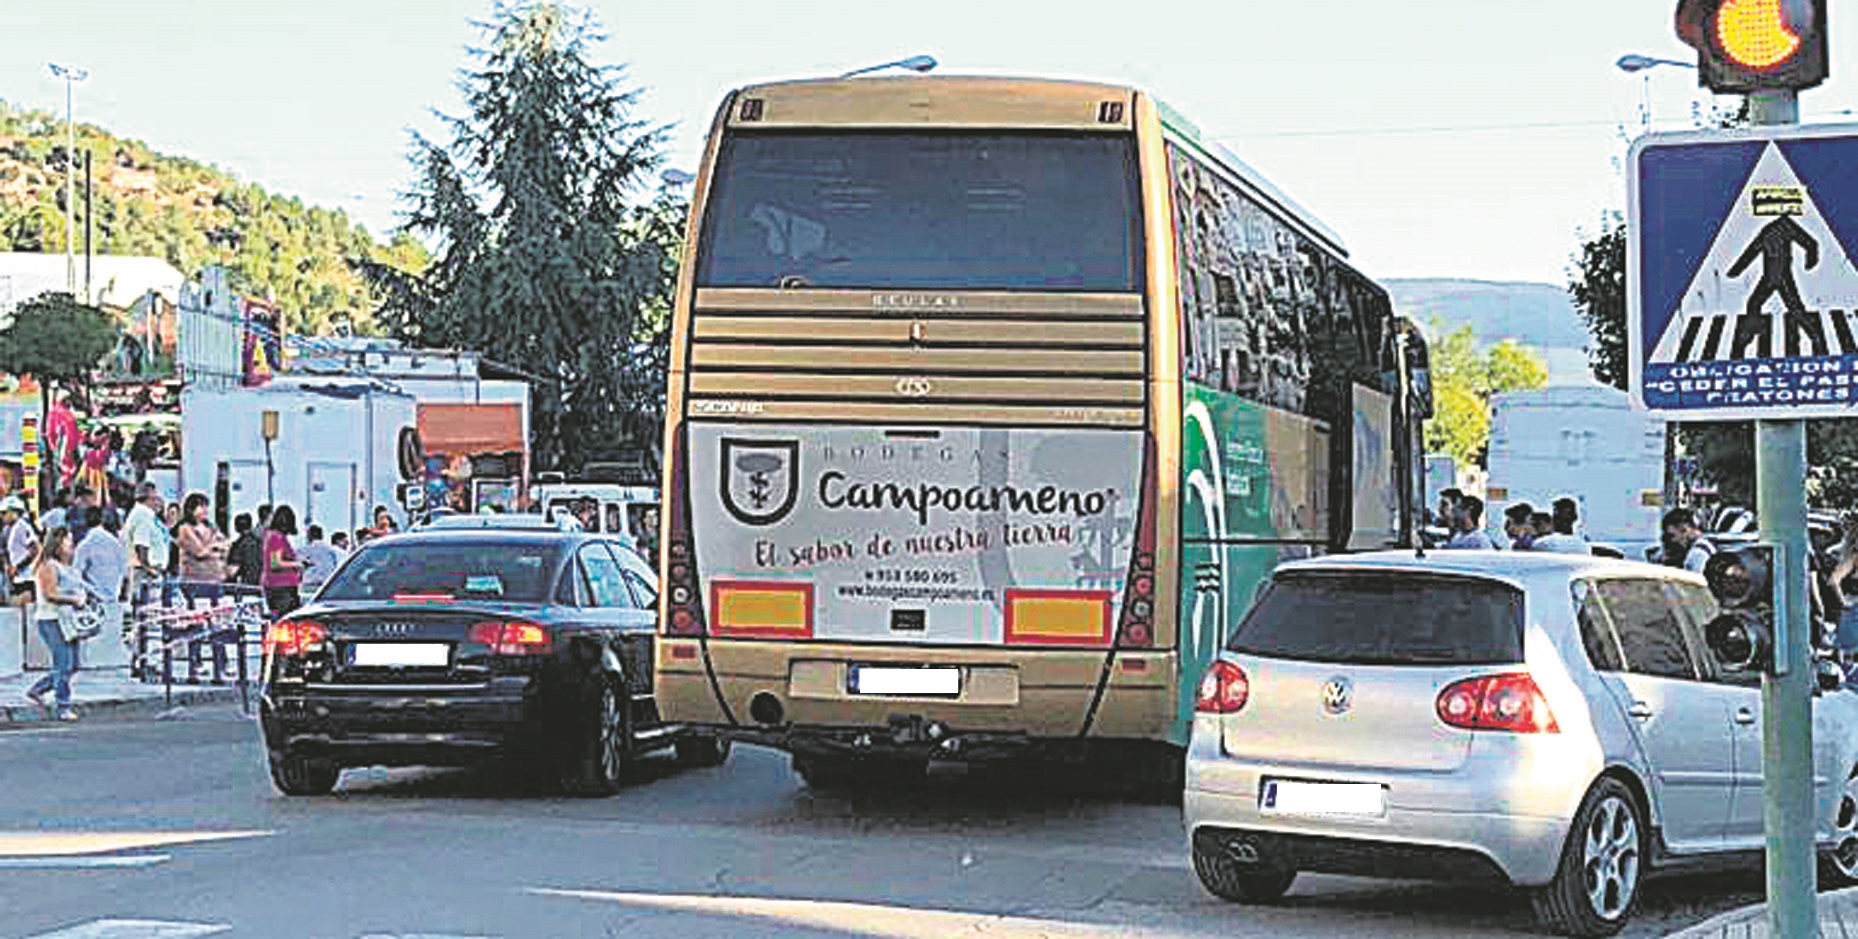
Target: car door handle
1640	710
1745	716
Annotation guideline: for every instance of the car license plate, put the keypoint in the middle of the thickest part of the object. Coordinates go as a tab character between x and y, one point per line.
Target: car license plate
400	654
909	681
1296	797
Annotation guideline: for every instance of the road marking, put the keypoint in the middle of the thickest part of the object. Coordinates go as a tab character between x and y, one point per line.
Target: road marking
39	844
864	919
81	861
134	929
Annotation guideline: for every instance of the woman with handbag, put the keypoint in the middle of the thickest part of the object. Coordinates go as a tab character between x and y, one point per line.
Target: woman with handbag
61	594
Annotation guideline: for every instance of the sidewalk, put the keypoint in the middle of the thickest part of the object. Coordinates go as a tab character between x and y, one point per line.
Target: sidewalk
1838	918
106	693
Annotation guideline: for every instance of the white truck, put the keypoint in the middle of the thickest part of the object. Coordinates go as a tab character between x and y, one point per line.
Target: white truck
1585	442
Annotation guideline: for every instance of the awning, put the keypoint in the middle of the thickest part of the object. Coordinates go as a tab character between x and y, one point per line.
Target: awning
469	429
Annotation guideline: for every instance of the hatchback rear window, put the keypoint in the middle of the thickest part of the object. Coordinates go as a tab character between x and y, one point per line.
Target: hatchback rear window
476	570
1384	619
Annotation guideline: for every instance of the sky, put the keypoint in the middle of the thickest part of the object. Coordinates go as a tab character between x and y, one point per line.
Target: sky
1441	138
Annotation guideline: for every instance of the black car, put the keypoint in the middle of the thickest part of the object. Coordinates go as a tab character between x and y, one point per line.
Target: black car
447	647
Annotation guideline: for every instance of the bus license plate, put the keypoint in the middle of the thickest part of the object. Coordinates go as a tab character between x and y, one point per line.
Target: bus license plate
1295	797
912	682
400	654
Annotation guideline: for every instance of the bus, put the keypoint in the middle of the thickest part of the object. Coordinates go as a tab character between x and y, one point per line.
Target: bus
992	403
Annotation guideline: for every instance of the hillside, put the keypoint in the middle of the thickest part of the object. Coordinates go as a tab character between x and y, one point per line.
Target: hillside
1537	315
190	214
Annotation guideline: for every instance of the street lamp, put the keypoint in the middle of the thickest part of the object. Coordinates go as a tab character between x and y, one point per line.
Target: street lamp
915	63
1632	63
71	75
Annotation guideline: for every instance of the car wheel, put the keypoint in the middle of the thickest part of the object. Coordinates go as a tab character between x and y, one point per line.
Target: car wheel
605	746
1839	866
1228	878
296	774
1596	885
703	751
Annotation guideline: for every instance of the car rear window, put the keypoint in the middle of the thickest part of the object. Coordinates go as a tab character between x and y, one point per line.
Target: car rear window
1384	619
480	570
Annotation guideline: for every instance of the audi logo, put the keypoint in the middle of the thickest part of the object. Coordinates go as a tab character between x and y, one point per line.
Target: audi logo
915	387
393	629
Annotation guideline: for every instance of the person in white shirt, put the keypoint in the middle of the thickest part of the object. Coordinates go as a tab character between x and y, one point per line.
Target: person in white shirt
319	561
1564	540
1468	524
147	539
22	548
1681	531
103	562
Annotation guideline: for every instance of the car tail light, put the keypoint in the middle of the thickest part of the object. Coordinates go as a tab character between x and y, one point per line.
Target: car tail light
1224	689
1137	626
514	638
1508	702
683	601
294	637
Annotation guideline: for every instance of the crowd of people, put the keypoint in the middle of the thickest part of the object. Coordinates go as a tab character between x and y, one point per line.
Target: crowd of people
82	566
1525	529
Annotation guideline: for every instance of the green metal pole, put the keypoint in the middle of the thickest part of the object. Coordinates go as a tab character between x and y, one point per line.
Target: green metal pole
1787	695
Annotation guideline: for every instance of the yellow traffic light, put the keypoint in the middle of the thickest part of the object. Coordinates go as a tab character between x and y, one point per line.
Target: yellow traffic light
1754	34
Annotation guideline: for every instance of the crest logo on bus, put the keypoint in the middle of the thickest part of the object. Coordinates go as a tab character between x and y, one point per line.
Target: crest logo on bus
760	479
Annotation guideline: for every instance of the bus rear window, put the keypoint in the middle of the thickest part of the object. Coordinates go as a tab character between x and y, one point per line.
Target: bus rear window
951	210
1384	619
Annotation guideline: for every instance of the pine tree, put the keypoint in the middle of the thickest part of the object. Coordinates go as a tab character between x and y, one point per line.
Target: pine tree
547	260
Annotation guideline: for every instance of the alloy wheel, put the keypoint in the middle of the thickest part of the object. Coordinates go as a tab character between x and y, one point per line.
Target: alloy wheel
1611	858
612	734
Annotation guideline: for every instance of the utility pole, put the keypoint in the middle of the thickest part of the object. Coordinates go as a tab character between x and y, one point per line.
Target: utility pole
71	76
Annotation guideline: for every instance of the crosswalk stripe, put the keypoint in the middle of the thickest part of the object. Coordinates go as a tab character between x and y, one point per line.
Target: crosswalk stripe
134	929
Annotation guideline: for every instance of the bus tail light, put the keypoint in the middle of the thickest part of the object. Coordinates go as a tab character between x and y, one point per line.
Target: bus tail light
683	601
1137	628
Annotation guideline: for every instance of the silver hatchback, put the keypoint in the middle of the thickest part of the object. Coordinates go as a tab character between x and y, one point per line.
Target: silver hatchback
1550	721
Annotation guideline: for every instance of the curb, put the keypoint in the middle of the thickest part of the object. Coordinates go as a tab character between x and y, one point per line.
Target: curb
123	708
1835	906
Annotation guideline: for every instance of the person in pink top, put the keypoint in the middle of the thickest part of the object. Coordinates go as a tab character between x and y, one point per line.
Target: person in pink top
282	574
61	440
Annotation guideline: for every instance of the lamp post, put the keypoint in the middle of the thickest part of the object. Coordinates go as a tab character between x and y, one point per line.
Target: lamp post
915	63
71	75
1635	63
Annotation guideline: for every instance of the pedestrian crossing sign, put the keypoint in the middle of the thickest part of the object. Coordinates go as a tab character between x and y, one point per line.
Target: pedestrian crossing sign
1741	293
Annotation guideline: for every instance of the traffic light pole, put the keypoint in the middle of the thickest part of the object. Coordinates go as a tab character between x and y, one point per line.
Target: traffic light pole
1787	691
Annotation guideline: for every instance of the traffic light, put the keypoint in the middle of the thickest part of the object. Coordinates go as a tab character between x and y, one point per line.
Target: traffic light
1742	635
1751	45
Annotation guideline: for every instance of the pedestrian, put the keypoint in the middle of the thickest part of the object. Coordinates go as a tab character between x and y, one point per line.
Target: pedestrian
245	557
384	522
202	548
363	536
339	541
22	548
103	563
1517	525
1468	525
283	572
1543	524
76	517
148	545
319	561
1684	539
95	472
143	451
1564	541
54	516
61	442
61	592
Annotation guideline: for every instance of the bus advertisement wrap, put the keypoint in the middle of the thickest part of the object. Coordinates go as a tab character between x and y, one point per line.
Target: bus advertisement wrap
936	536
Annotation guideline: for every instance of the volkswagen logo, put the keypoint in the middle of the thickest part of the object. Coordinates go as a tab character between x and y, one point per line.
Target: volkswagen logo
393	629
1338	695
914	386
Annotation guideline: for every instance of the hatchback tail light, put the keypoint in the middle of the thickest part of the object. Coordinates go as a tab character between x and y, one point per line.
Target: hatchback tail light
515	638
294	637
1224	689
1509	702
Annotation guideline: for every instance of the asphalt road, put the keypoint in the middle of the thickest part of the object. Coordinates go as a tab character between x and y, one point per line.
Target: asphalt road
171	828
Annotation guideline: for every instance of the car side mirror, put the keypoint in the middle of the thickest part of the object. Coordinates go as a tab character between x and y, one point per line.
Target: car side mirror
1829	675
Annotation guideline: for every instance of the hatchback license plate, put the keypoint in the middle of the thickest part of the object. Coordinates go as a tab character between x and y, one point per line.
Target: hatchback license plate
905	682
400	654
1295	797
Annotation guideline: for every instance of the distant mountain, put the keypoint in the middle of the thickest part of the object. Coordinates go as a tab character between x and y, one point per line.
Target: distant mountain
1537	315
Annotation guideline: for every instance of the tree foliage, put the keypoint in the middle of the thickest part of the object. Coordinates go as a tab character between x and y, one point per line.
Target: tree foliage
1598	286
53	337
547	259
191	215
1465	377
